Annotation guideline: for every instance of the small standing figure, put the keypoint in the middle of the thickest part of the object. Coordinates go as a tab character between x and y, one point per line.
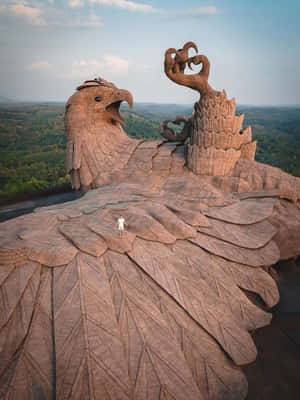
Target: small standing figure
121	224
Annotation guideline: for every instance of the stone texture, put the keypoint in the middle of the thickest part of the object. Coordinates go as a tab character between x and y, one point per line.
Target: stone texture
287	222
169	134
267	255
211	161
142	159
17	298
178	161
169	220
244	212
255	280
195	297
248	151
258	194
85	323
95	136
104	224
213	373
13	287
27	363
194	193
83	238
217	141
161	313
35	241
251	236
162	161
210	268
175	66
151	348
229	184
144	226
190	217
264	177
192	205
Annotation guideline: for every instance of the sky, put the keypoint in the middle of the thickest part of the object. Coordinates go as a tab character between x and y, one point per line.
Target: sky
49	47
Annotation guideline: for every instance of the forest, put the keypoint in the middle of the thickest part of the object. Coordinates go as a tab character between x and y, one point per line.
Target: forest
33	141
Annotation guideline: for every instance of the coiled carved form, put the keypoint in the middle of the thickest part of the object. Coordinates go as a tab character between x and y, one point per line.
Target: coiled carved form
175	66
159	313
169	134
216	141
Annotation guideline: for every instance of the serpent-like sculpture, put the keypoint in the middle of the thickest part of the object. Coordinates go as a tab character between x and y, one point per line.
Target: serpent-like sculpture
175	67
175	64
163	312
169	134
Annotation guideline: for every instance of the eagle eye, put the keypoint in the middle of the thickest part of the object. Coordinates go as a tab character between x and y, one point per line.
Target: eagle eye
98	98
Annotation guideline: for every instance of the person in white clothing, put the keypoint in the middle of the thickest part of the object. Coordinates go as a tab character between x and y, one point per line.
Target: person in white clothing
121	224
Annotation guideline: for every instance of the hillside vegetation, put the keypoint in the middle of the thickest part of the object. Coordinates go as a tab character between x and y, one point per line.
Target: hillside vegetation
33	141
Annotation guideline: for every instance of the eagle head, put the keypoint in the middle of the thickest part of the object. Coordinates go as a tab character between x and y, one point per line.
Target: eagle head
94	129
97	102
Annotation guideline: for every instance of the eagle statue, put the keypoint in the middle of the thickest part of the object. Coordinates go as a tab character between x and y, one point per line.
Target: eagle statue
167	310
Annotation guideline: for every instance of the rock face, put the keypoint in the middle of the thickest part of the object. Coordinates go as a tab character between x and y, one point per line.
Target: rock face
159	314
94	132
217	141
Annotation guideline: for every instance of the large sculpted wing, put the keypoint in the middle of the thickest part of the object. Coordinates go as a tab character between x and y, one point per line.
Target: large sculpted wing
159	314
164	312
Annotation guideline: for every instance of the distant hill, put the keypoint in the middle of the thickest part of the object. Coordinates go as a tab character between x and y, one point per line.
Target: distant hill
158	112
6	100
33	142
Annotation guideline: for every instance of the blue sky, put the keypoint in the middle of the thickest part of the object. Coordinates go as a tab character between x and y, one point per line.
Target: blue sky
49	47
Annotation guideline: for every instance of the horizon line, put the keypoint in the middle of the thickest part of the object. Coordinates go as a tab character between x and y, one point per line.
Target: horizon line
12	102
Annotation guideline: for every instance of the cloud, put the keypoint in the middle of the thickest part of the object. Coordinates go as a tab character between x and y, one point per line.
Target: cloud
21	11
75	3
116	65
92	21
39	66
109	66
33	15
199	11
126	5
40	15
85	69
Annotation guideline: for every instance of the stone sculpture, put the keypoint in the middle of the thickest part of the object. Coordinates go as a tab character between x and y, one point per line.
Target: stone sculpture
93	127
217	141
174	69
160	313
216	145
169	134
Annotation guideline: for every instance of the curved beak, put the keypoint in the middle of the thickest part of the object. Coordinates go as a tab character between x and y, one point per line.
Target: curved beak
190	45
189	62
170	52
113	109
127	96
